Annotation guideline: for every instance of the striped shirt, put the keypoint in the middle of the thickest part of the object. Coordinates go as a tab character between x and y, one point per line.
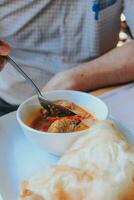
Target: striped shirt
49	36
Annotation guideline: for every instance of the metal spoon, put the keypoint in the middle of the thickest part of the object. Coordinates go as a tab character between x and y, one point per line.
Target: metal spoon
52	108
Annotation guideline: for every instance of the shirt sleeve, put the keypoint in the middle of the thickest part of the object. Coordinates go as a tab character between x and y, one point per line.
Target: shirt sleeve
129	14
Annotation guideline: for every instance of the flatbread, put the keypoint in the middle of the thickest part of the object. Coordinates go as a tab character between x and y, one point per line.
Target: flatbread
99	166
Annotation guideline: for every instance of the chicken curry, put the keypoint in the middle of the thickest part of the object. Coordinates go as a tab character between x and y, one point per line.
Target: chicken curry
67	124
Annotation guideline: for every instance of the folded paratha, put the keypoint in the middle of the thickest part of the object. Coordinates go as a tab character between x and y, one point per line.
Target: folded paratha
99	166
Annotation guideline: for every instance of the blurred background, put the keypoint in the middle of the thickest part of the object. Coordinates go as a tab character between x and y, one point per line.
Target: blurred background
125	34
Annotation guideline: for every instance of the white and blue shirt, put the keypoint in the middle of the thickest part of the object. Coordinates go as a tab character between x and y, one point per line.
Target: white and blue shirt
49	36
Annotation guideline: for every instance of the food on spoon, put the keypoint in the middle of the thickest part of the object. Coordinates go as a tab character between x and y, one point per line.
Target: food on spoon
82	120
99	166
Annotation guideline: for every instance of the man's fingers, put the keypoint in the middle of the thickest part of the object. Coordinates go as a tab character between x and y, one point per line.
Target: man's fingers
4	48
2	62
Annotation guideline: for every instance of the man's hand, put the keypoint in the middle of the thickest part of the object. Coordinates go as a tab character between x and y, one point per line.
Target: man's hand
75	78
62	80
4	50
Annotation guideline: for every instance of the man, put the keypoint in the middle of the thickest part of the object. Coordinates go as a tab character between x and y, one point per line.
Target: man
63	45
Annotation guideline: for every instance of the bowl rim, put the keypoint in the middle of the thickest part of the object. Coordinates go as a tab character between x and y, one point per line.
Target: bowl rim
23	124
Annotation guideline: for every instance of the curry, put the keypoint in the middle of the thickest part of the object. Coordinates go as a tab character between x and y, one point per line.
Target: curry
67	124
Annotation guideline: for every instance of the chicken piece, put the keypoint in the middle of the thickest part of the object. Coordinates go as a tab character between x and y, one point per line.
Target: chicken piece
74	107
62	126
65	103
67	125
81	126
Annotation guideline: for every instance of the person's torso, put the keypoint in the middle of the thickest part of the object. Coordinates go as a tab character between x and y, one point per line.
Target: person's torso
49	36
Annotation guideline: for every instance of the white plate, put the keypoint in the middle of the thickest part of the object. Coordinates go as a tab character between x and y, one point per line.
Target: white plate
19	158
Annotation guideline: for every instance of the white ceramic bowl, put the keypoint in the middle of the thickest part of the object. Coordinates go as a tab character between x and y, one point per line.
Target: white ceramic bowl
58	143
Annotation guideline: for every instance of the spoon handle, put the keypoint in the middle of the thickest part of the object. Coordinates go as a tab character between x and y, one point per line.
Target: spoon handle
52	108
18	68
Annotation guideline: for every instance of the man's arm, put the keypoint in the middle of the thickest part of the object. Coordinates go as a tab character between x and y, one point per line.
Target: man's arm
114	67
